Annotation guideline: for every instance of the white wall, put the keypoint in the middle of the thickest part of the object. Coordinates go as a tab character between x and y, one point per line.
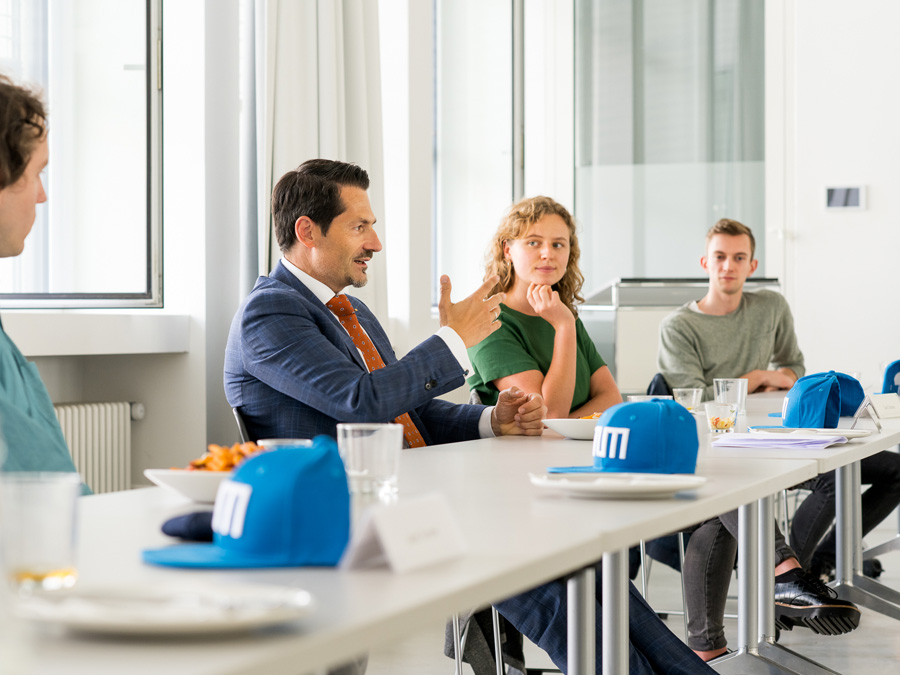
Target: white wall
833	109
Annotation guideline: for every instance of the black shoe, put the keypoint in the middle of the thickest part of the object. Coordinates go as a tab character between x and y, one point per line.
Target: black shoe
806	601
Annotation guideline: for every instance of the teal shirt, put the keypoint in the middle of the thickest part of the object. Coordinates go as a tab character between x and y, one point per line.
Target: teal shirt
31	437
523	343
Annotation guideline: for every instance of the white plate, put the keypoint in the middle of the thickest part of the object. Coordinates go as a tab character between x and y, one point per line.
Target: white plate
198	486
582	430
182	611
846	433
618	485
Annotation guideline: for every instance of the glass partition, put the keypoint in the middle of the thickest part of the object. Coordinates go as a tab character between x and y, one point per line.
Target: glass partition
669	132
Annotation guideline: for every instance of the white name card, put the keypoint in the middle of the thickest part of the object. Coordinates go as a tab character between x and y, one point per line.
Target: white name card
886	406
406	535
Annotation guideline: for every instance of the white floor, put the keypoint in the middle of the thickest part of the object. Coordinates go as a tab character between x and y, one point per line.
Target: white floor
873	648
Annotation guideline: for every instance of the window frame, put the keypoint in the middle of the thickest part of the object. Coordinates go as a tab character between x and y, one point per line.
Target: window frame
152	297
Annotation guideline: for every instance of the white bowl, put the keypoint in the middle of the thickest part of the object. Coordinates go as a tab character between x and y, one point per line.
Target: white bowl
582	430
272	443
198	486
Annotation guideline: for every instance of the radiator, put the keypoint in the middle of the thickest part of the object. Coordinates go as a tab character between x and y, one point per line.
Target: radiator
99	437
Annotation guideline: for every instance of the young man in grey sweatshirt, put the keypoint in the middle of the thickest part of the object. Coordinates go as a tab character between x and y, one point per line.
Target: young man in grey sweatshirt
729	333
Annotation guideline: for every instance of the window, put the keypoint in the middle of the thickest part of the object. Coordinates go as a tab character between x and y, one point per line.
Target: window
96	242
668	133
473	134
669	110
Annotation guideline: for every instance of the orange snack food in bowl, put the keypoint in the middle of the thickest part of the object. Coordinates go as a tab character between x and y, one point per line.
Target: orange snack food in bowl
592	416
223	458
721	422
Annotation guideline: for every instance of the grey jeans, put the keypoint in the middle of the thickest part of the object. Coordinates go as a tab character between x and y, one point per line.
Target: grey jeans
708	563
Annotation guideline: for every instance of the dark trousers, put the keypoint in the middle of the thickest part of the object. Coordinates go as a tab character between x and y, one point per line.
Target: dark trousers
540	614
815	516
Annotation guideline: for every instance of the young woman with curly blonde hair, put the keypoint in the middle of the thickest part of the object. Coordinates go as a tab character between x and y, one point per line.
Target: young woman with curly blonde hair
542	347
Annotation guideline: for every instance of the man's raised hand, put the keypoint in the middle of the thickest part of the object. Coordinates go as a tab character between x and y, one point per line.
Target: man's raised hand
475	317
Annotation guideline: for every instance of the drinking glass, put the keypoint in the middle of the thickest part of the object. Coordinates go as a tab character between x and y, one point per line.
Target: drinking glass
689	397
38	515
371	454
721	417
731	390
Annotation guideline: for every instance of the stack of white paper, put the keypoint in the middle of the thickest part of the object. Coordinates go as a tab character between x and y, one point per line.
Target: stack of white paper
797	439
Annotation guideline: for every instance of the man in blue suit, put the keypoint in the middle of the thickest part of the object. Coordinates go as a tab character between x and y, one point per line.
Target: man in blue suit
294	370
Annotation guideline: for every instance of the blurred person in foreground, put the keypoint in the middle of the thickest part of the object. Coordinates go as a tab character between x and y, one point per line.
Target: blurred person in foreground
28	424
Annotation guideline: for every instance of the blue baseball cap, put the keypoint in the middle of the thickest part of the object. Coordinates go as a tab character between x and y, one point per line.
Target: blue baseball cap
288	507
657	436
818	401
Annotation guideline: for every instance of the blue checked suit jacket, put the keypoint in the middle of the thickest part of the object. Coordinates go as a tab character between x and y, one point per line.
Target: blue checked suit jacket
294	372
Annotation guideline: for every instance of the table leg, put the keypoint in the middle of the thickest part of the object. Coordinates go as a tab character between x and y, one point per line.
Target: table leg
582	622
746	658
786	660
849	582
615	612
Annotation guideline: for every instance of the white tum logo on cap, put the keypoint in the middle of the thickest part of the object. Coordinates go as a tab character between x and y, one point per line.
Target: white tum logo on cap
230	508
609	439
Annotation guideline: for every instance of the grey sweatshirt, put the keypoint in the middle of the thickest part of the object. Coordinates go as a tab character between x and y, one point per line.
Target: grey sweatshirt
694	348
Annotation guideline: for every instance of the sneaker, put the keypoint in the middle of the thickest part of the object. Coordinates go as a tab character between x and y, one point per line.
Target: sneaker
824	570
872	568
803	600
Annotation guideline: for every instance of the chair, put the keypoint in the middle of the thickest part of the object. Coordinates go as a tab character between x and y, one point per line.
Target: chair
484	651
242	428
891	378
646	561
658	386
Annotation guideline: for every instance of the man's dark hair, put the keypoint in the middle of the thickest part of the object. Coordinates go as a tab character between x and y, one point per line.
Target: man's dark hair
733	229
312	190
23	123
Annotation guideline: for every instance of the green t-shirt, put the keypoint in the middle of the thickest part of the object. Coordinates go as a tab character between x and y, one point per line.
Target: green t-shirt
526	343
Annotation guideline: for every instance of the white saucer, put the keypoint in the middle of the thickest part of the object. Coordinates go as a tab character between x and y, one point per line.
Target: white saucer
182	611
617	485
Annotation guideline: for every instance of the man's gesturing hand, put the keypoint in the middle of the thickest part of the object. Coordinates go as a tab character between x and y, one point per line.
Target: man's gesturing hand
518	414
474	318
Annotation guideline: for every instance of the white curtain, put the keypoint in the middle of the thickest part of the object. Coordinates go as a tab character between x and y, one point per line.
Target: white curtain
318	95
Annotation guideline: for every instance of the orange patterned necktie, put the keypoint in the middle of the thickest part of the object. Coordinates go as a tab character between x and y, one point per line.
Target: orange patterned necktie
345	313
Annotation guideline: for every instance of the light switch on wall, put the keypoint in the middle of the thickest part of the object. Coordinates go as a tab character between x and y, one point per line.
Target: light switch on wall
845	197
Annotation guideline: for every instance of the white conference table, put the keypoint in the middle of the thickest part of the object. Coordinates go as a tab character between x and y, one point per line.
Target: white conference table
844	460
517	538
